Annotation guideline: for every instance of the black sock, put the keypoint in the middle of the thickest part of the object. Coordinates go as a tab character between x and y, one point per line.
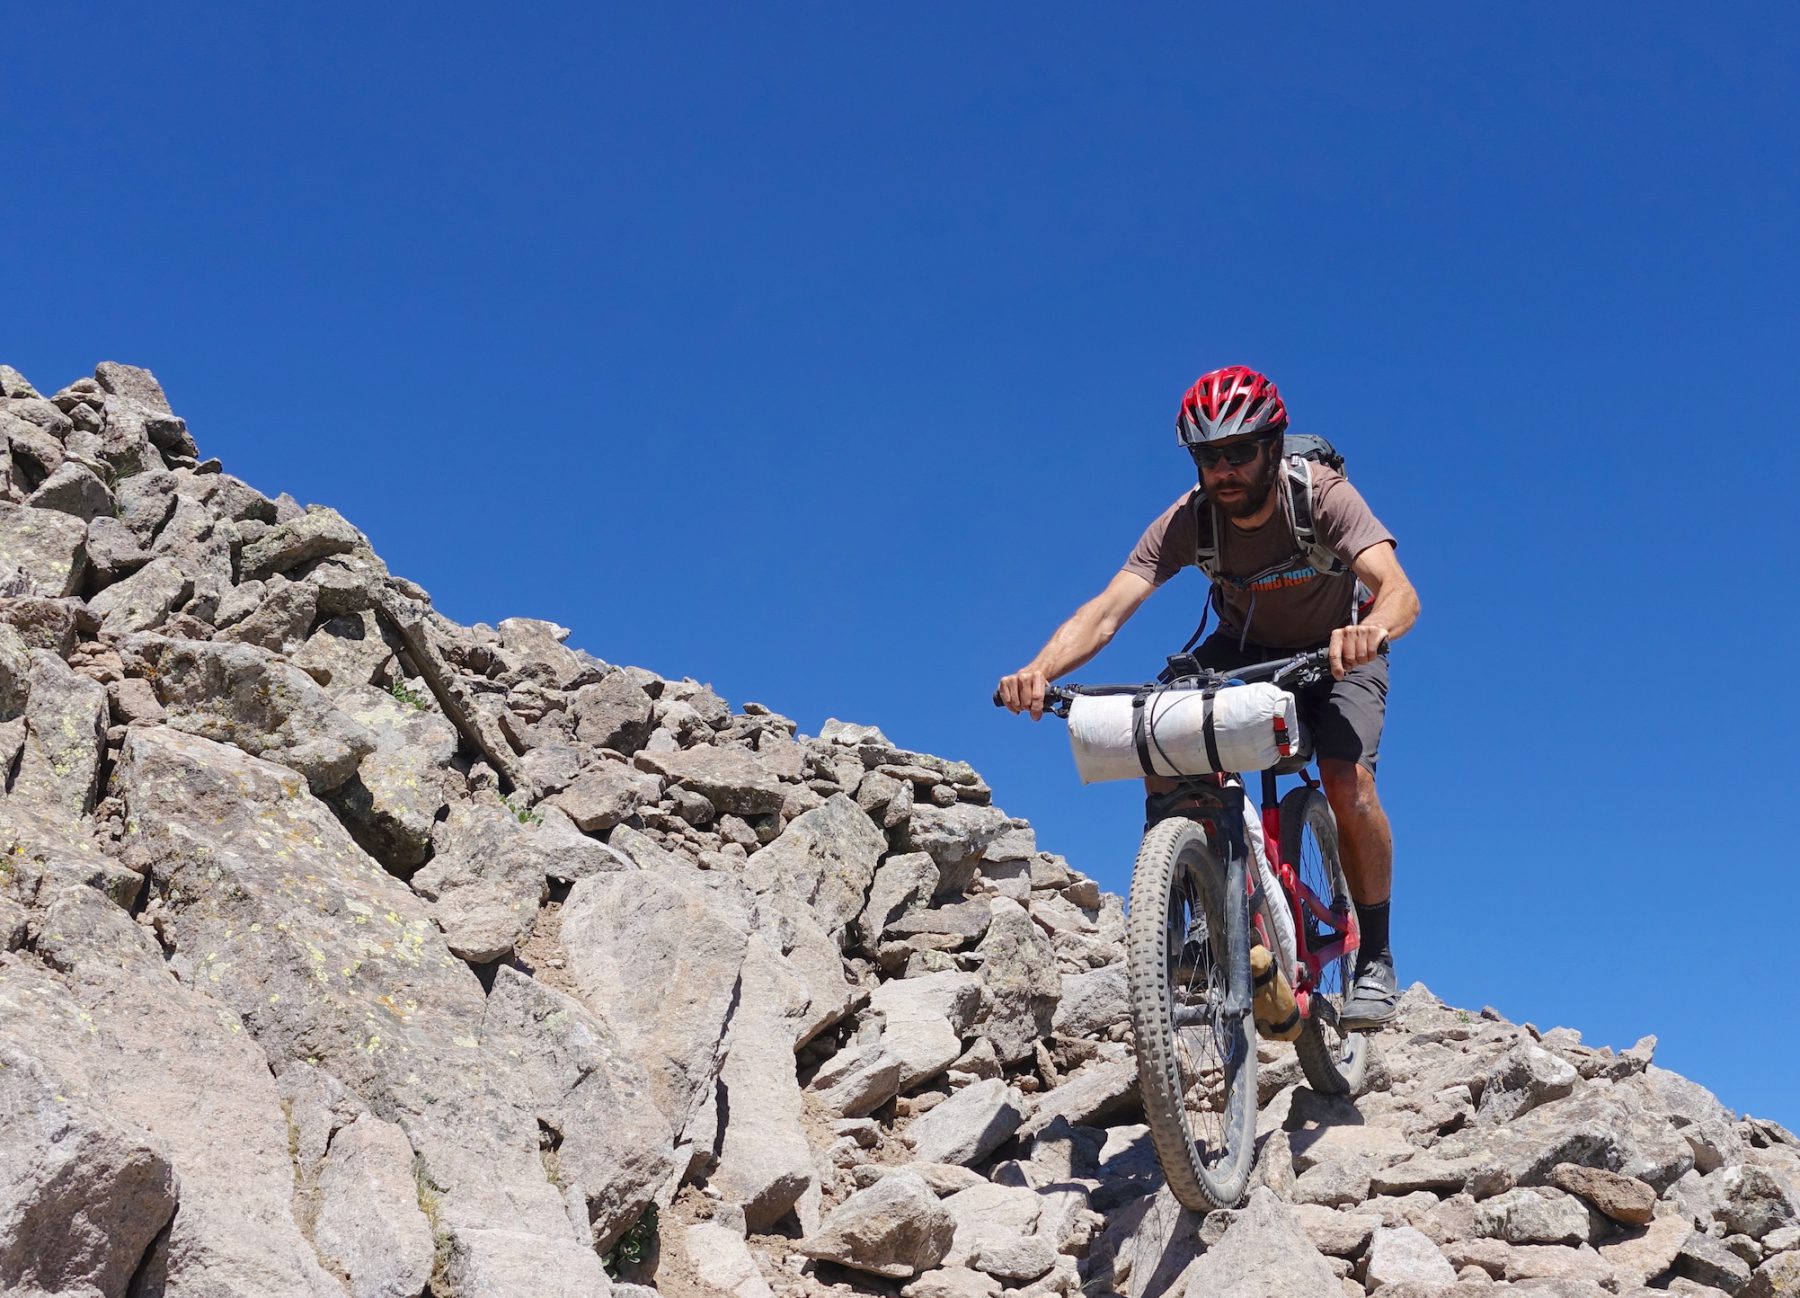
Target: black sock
1373	920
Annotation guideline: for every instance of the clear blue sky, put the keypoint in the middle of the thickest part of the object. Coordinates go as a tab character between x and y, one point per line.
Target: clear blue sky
830	354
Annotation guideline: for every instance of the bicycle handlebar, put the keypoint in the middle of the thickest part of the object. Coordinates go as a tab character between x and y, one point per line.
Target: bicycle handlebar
1058	697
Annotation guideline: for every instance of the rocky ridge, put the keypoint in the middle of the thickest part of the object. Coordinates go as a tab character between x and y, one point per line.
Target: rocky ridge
345	950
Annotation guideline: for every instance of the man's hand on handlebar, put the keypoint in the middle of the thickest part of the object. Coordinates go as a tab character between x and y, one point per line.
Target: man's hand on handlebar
1352	646
1023	691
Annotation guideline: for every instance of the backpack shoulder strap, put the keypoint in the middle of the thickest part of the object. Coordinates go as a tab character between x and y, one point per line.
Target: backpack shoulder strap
1298	477
1206	536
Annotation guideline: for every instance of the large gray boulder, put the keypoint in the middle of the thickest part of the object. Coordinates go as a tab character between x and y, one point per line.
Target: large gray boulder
402	787
144	600
83	1195
97	1007
326	958
65	738
1019	973
486	882
732	779
825	858
1264	1254
47	546
314	535
765	1160
895	1228
657	957
370	1226
968	1126
612	713
246	697
612	1142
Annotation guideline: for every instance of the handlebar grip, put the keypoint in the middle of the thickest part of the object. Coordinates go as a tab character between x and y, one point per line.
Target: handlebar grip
998	701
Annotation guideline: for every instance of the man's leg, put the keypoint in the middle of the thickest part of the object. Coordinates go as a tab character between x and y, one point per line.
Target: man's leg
1347	719
1365	840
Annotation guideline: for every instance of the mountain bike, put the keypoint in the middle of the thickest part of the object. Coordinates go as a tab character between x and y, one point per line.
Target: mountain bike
1197	908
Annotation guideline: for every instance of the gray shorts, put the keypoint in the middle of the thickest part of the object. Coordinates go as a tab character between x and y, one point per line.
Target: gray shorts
1344	717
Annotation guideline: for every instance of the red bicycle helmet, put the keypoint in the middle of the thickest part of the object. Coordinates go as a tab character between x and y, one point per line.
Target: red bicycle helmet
1231	402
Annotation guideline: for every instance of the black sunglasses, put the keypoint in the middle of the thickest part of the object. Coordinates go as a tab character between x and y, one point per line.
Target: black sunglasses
1209	457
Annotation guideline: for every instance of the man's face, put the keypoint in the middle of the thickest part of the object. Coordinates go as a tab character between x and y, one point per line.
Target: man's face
1238	490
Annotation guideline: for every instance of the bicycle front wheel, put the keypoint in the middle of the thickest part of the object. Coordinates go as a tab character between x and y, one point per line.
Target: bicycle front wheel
1334	1062
1188	954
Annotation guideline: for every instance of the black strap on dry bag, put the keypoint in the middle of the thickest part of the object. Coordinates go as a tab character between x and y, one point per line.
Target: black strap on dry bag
1207	731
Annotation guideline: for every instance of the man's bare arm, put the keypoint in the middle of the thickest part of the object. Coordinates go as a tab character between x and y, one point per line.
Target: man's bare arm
1392	615
1075	642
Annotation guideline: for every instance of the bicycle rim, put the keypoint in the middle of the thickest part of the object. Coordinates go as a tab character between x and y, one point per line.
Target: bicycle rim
1334	1062
1187	950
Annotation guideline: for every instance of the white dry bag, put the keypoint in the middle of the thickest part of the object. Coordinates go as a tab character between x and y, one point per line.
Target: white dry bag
1182	732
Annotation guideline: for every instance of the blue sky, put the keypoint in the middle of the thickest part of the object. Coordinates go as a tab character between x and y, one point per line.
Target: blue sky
831	355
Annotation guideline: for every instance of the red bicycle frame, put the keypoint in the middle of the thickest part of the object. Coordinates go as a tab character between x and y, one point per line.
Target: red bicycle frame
1303	901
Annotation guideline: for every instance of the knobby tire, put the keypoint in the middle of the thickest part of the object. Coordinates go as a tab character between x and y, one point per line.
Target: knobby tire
1176	870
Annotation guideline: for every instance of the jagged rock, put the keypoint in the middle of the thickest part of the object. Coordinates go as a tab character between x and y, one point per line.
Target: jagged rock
1092	1002
244	696
765	1162
1779	1277
345	652
1645	1252
826	859
1703	1121
133	383
605	796
283	618
113	550
1263	1254
485	885
143	600
96	1005
145	502
611	1140
729	778
1093	1095
901	881
1622	1198
75	490
1527	1077
370	1226
1706	1261
1019	972
658	957
324	957
921	1022
613	713
401	788
83	1195
953	1282
318	533
722	1261
1339	1234
47	546
65	738
955	837
43	623
895	1228
539	649
1752	1200
1401	1255
968	1126
1528	1217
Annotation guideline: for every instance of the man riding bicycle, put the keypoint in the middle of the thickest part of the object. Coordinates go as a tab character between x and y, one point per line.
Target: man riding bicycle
1281	583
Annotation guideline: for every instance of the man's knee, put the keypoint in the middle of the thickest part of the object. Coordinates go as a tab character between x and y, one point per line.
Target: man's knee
1349	787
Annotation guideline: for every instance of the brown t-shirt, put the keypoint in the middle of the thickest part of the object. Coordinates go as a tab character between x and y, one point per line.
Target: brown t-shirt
1294	607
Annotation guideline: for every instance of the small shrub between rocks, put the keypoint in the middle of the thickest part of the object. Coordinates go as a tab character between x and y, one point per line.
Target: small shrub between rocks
412	698
633	1245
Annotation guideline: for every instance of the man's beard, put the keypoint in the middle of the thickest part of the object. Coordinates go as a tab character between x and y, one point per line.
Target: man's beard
1256	491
